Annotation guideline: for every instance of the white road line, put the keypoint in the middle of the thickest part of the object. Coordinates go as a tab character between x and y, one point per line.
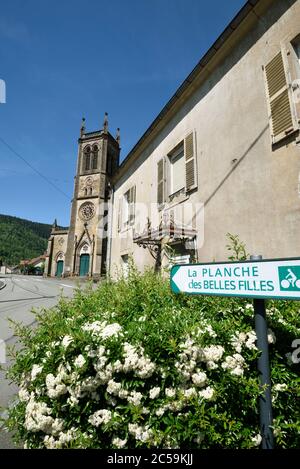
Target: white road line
64	285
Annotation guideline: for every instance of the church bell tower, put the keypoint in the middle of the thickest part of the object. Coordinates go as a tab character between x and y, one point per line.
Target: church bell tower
98	160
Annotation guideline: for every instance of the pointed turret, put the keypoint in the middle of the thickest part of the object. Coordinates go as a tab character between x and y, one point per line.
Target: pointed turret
82	128
105	123
118	138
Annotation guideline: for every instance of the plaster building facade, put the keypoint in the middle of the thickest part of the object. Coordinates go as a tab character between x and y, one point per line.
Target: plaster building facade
222	156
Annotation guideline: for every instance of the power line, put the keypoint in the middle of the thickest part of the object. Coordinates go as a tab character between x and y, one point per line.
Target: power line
33	168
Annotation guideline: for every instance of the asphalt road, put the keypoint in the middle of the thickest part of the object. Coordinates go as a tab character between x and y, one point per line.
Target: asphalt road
17	298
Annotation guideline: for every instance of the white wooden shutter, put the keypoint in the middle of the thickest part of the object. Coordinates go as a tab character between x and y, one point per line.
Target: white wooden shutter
132	196
161	181
190	162
120	213
293	71
280	100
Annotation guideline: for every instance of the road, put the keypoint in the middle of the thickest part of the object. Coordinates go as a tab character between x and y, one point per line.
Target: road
17	298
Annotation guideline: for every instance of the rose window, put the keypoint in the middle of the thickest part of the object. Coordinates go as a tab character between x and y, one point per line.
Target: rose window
87	211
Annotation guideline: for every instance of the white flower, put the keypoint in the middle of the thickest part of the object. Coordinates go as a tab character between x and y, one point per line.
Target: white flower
210	331
99	417
55	387
80	361
117	366
249	306
123	394
154	392
238	341
251	339
213	353
256	440
72	401
135	398
67	340
170	392
136	361
119	443
160	411
199	379
24	395
280	387
271	337
142	318
189	393
111	330
36	369
38	418
211	365
94	327
237	371
113	387
207	393
141	433
235	364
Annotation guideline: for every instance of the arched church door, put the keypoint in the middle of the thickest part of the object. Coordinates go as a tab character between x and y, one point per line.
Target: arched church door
59	268
84	265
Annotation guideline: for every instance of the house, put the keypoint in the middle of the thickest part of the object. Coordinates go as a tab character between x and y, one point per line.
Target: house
222	156
36	264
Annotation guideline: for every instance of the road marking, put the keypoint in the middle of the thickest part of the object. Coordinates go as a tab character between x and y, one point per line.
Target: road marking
64	285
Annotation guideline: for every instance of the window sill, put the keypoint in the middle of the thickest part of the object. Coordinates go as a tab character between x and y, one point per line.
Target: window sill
177	198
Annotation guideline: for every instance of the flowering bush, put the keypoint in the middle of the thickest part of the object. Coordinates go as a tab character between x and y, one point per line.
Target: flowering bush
132	365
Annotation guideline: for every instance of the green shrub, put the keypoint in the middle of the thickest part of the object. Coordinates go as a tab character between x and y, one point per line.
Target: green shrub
133	365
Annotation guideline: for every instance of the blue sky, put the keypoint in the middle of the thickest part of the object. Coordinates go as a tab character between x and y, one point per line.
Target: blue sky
64	59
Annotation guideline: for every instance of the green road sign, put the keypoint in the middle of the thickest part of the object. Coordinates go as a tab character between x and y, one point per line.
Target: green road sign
276	278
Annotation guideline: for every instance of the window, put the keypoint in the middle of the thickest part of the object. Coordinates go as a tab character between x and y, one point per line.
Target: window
90	160
127	208
87	158
95	157
282	75
177	170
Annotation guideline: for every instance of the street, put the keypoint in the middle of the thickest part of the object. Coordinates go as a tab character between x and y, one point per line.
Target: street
17	298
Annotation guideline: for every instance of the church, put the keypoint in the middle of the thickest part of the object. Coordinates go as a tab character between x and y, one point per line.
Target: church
82	249
222	156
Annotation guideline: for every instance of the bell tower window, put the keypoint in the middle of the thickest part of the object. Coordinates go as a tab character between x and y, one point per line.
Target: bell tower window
95	157
87	158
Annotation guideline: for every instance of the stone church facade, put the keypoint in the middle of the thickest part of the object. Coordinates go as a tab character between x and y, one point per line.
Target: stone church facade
222	156
82	249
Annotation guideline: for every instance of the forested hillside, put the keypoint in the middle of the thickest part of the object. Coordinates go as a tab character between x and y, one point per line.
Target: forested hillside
21	239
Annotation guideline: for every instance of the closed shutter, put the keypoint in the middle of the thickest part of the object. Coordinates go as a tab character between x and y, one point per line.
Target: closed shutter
278	88
132	196
161	182
120	213
190	163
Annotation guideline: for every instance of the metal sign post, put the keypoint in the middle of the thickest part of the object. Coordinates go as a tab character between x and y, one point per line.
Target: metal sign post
263	366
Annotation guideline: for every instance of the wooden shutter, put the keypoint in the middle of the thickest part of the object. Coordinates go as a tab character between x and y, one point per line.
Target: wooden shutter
120	213
190	163
132	195
161	182
278	88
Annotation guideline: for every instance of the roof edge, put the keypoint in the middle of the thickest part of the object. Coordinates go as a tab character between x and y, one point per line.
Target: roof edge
206	58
